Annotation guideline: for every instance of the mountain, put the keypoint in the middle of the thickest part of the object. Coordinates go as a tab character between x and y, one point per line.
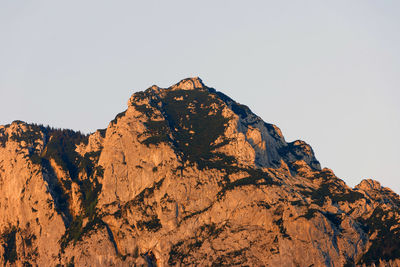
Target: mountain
184	176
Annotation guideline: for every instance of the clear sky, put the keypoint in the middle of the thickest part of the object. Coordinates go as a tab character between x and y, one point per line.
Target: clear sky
326	72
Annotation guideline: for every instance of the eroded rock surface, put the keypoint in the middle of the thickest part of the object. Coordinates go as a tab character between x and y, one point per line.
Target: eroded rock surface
184	176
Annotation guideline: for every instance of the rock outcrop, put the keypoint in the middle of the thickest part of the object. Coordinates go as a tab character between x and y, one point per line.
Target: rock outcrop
184	176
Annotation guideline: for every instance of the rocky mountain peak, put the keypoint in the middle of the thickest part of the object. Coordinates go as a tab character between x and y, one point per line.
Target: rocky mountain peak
187	114
189	84
184	176
369	184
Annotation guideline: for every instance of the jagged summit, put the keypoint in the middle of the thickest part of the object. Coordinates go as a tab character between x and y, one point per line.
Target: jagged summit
184	177
197	113
185	84
369	184
189	84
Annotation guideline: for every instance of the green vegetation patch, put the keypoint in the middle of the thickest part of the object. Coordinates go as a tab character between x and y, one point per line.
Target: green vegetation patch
3	138
232	258
150	221
146	110
336	192
182	250
196	121
138	201
310	213
282	228
76	230
61	147
29	239
387	242
336	219
90	189
176	254
256	177
158	131
152	225
10	247
102	132
191	120
30	136
88	163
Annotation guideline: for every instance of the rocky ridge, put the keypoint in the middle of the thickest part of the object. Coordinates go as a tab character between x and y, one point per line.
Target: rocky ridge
184	176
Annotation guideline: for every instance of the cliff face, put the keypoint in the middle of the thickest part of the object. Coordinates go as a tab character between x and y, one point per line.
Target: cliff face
184	176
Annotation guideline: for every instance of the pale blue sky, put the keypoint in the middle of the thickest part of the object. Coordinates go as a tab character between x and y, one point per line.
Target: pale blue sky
326	72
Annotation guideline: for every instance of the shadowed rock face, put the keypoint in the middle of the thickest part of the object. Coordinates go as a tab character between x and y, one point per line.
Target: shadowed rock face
184	176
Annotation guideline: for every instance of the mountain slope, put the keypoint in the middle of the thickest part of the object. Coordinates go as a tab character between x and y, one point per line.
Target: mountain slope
184	176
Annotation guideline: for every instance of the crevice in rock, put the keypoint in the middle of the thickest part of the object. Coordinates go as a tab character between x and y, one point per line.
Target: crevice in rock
59	196
111	238
150	259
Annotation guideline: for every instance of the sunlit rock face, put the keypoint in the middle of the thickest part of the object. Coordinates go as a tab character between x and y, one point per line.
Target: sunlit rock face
184	176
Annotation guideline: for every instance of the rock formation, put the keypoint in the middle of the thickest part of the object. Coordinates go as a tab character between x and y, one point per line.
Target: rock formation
184	176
